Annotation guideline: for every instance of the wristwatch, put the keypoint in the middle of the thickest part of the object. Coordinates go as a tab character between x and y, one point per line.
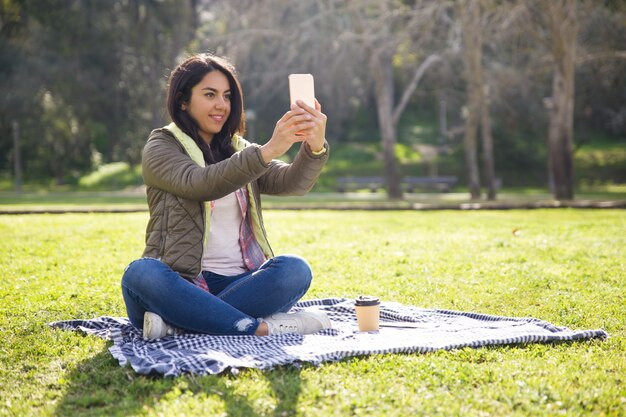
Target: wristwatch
318	153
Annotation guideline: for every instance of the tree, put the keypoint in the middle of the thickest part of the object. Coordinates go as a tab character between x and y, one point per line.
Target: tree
470	20
152	37
91	72
523	75
269	40
381	26
555	25
349	45
86	78
14	99
477	108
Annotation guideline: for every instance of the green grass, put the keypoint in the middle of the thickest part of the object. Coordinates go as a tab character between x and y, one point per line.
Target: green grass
113	176
563	266
72	200
135	200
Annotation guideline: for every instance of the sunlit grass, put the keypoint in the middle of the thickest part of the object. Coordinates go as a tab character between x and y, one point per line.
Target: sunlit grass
563	266
135	199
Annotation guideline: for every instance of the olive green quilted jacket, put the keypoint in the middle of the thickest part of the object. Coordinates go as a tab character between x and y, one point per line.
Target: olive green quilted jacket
179	185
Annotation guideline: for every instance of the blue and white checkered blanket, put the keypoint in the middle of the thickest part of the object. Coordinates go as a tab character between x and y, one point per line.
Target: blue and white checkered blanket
404	329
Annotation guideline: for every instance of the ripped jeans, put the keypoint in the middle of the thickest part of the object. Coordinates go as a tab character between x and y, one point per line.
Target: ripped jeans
234	305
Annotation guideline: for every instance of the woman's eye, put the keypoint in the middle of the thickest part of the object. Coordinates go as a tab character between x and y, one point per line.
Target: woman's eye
227	97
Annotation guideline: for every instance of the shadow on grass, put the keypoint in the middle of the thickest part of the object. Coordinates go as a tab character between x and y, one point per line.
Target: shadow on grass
99	386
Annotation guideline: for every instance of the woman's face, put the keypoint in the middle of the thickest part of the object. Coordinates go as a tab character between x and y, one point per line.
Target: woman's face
209	105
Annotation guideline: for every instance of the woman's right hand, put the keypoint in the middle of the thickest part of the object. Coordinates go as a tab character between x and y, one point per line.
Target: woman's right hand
294	121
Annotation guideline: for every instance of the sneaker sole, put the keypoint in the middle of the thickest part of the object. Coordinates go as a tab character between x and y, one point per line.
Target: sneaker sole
151	322
321	316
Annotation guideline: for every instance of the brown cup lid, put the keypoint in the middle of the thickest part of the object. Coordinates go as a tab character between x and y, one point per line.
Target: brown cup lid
367	300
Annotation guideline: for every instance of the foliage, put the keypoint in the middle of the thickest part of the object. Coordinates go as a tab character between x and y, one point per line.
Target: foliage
598	161
563	266
103	67
597	166
87	77
114	176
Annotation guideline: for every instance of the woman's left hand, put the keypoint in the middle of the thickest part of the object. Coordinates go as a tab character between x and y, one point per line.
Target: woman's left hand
316	135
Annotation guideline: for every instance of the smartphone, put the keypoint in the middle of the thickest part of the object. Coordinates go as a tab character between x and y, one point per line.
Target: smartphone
301	87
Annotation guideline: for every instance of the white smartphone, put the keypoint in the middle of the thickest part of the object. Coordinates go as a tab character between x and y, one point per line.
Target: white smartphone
301	87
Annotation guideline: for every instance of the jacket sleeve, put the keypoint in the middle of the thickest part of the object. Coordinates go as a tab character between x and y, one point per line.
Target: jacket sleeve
296	178
166	166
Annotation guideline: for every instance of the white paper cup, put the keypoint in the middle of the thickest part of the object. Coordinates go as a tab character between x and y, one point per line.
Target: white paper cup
367	313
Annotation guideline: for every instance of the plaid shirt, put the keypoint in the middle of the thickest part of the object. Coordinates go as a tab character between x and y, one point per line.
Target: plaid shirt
253	256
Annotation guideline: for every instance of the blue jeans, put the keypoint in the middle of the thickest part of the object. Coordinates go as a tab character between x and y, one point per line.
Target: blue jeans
234	305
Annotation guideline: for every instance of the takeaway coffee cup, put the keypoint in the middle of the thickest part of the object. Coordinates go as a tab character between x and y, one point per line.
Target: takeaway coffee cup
367	313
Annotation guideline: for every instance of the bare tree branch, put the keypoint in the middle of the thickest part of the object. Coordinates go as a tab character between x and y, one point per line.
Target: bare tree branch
597	56
410	89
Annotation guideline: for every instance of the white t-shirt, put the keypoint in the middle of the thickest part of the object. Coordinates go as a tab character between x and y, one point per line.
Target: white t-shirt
222	254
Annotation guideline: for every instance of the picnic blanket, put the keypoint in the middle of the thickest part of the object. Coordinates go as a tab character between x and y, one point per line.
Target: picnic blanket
404	329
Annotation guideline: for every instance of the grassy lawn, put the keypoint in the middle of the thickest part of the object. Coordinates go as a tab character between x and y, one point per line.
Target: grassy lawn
565	266
72	200
135	200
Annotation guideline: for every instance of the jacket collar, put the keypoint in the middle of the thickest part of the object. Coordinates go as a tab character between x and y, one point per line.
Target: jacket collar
192	148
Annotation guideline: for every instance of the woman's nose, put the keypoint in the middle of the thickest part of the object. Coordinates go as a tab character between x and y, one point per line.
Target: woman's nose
221	102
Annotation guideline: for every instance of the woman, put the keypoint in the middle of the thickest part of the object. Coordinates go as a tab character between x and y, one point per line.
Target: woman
207	266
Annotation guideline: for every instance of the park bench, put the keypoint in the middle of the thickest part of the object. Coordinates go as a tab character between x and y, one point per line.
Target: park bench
444	184
359	183
408	184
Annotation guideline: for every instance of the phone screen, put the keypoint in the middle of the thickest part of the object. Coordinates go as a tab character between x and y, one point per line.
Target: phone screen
301	87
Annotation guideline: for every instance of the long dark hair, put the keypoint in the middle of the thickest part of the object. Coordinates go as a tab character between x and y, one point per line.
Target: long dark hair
182	79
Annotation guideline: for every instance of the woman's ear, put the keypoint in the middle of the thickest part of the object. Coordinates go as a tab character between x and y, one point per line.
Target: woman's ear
183	105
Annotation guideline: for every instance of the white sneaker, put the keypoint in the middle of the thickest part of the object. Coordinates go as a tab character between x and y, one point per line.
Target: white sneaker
155	328
301	322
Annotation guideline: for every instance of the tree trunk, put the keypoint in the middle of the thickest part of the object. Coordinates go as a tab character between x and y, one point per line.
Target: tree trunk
563	29
382	70
470	20
17	158
488	162
471	153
